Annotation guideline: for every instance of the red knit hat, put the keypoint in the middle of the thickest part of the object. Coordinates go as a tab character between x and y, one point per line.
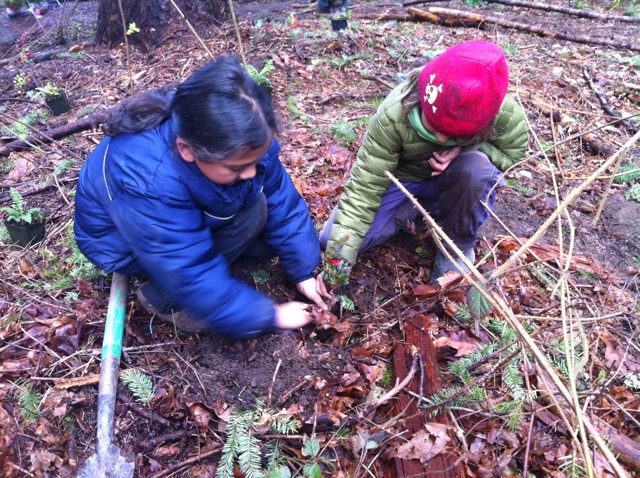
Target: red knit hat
462	89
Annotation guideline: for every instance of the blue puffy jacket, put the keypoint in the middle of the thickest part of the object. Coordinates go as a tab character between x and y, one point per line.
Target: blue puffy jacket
141	206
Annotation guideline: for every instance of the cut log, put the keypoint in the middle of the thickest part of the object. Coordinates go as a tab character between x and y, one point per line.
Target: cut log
444	464
568	11
451	17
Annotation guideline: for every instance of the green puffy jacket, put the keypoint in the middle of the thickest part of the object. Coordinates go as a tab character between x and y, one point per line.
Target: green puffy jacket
391	144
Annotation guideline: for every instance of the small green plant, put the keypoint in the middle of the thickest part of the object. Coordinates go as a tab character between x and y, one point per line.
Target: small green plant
242	445
335	271
140	385
343	131
293	108
262	276
29	400
628	173
633	193
20	81
262	76
342	15
520	189
311	450
345	302
344	60
74	265
133	29
17	211
632	381
387	378
509	49
422	252
49	90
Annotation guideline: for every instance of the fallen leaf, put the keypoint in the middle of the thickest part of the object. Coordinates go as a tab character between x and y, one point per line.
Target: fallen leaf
425	444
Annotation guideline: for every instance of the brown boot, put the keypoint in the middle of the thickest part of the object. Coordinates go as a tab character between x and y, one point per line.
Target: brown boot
183	320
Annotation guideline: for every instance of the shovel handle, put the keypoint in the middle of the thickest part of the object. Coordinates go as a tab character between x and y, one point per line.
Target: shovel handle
111	350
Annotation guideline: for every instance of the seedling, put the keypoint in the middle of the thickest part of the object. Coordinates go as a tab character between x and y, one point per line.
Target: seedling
49	90
262	77
17	212
336	271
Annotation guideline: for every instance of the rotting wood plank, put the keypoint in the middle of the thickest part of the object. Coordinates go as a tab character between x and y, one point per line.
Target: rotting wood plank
444	464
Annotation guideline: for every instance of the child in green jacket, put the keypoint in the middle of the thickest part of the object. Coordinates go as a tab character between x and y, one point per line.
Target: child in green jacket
447	133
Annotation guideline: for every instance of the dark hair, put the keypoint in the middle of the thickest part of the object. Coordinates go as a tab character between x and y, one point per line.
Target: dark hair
410	98
217	110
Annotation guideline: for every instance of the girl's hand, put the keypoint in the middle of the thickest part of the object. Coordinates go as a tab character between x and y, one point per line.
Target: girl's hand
440	161
314	289
292	315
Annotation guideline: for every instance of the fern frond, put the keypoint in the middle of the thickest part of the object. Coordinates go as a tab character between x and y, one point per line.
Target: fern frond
249	456
440	398
139	385
512	378
30	401
284	424
236	426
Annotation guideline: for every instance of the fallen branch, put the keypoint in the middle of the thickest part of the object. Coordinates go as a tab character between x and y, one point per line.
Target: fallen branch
46	137
605	104
374	404
568	11
496	300
450	17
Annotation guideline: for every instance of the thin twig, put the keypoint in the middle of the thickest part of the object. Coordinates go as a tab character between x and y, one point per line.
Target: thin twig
216	449
273	381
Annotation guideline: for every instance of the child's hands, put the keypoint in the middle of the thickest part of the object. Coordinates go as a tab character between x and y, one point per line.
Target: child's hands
440	161
315	290
293	315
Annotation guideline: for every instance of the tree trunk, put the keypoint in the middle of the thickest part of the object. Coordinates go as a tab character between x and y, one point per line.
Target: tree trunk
154	18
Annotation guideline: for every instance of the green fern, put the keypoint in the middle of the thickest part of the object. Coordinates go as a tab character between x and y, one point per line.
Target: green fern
236	426
249	456
29	400
17	212
442	397
514	409
462	313
139	385
242	445
343	131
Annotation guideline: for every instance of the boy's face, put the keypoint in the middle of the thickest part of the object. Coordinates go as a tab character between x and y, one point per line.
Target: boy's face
238	166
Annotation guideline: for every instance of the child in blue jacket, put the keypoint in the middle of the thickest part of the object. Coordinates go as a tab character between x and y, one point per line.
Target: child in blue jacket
186	182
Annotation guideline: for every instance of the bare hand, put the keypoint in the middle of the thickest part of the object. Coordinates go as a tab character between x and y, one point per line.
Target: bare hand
292	315
314	289
440	161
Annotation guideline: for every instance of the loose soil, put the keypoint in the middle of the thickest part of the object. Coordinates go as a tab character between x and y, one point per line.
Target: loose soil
324	372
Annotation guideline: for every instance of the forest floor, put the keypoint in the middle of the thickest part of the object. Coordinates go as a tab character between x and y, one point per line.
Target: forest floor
574	290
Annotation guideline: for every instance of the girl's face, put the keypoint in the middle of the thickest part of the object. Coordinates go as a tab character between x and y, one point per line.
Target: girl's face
238	166
439	136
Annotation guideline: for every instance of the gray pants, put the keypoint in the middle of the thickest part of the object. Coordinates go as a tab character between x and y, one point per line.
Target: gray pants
454	198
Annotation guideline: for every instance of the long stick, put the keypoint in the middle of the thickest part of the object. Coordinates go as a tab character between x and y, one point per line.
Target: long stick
111	350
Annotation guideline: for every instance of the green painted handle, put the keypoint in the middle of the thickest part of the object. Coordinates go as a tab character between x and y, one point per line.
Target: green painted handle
112	341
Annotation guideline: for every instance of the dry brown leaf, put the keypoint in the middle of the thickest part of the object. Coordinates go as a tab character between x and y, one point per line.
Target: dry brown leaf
201	415
425	444
463	348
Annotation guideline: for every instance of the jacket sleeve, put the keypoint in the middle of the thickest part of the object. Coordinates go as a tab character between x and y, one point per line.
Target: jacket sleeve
509	146
289	230
362	195
167	236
